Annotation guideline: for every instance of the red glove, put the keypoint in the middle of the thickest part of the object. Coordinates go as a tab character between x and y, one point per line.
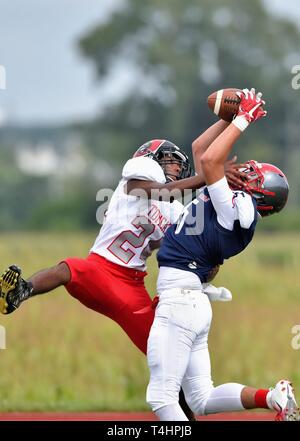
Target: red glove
250	108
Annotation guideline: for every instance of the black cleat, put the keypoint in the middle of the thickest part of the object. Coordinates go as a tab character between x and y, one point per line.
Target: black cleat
13	290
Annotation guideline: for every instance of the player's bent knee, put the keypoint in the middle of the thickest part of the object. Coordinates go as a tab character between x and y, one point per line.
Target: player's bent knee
162	393
197	401
198	407
157	402
154	397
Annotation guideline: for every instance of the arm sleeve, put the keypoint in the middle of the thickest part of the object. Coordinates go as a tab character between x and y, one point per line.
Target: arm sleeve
230	205
144	169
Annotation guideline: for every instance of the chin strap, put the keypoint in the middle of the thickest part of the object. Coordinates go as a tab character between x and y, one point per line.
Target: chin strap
170	178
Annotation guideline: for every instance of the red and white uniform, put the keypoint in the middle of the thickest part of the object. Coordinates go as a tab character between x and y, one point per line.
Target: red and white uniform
131	221
111	279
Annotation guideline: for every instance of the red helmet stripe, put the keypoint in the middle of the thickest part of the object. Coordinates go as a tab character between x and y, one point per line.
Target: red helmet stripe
155	144
150	146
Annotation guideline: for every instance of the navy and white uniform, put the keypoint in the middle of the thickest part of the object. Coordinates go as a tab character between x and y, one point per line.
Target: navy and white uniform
203	237
217	225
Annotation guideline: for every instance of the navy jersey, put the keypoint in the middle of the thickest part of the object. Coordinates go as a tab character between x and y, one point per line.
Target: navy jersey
198	243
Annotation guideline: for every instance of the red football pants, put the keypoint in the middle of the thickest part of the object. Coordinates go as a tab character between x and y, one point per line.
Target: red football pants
115	292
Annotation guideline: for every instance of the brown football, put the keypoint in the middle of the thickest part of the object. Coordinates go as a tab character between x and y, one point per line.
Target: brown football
224	103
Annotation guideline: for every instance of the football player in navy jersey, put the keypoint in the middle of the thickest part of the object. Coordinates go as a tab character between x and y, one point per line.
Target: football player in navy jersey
110	280
218	224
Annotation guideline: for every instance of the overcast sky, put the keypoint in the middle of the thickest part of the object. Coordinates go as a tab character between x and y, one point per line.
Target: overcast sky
46	79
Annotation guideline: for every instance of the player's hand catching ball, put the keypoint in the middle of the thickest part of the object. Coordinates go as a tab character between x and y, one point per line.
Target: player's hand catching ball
250	109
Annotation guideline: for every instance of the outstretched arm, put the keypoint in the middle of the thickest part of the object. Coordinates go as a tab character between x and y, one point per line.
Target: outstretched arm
150	187
199	146
213	160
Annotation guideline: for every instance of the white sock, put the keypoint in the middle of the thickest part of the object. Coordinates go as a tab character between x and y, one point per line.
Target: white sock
171	412
225	398
268	400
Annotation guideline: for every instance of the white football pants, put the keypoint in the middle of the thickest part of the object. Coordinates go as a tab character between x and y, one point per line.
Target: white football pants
178	356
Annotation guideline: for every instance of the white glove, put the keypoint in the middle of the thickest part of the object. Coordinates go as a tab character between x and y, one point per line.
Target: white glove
215	294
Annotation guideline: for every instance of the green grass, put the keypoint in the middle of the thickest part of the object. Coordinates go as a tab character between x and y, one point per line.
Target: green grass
62	356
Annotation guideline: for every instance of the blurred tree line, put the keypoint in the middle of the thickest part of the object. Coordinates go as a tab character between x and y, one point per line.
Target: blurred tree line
176	53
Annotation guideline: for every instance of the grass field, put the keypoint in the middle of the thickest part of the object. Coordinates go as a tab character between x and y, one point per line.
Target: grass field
62	356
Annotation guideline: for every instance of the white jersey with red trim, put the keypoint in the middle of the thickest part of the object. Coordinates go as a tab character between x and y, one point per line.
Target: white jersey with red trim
131	221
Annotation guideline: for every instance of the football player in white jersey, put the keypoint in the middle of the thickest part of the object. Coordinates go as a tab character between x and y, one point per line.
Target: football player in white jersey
111	279
217	225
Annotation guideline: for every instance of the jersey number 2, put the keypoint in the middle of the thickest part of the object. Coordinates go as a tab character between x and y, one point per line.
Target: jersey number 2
117	247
